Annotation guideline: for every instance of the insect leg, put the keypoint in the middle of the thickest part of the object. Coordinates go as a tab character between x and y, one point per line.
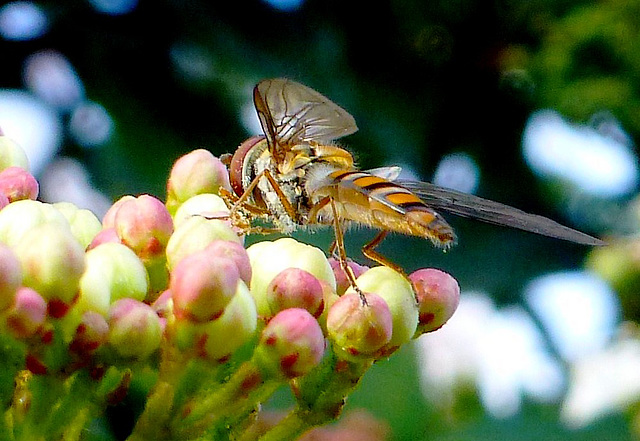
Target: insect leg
369	251
342	254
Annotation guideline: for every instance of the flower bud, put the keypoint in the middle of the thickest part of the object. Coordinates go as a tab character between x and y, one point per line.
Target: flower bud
11	154
342	282
27	314
91	333
268	259
358	329
84	224
438	295
236	326
195	234
234	251
17	184
52	263
206	204
195	173
4	201
113	272
106	235
109	219
144	225
399	296
134	329
10	276
202	285
295	288
19	217
291	344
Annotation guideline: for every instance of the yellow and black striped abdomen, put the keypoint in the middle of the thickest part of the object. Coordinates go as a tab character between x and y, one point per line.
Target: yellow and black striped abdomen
372	200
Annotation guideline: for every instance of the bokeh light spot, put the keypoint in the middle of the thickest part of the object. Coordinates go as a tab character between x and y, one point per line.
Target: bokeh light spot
22	21
595	162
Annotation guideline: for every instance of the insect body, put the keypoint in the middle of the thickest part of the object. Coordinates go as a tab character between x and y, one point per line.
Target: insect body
294	176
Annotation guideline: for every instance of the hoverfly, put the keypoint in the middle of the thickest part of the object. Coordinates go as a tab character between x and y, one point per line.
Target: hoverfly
294	176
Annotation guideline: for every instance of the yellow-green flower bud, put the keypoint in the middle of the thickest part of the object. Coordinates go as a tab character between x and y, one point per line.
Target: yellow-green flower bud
84	224
195	234
11	154
268	259
113	272
206	204
52	263
134	329
399	296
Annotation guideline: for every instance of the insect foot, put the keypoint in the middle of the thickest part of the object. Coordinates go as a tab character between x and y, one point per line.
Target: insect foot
164	300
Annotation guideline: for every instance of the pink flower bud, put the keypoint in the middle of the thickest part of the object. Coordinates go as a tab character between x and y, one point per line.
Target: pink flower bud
134	329
195	173
28	313
53	262
17	183
109	219
202	285
438	296
295	288
144	225
106	235
234	251
342	282
91	333
4	201
291	344
359	330
10	276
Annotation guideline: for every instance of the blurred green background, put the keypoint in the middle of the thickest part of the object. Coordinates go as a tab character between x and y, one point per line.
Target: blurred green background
424	80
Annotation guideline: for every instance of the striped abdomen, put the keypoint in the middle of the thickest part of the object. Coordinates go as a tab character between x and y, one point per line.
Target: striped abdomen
371	200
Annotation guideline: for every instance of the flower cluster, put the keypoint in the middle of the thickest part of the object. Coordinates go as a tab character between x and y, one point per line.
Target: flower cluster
168	292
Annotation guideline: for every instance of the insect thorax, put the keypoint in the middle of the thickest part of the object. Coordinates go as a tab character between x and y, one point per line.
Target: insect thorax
290	187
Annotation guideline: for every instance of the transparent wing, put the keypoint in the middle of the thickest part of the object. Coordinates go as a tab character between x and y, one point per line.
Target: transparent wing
292	113
467	205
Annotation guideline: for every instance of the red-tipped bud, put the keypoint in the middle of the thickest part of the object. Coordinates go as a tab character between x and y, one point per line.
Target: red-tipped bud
438	296
28	313
17	183
342	282
106	235
144	225
91	333
195	173
359	330
202	285
10	276
295	288
134	328
291	344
